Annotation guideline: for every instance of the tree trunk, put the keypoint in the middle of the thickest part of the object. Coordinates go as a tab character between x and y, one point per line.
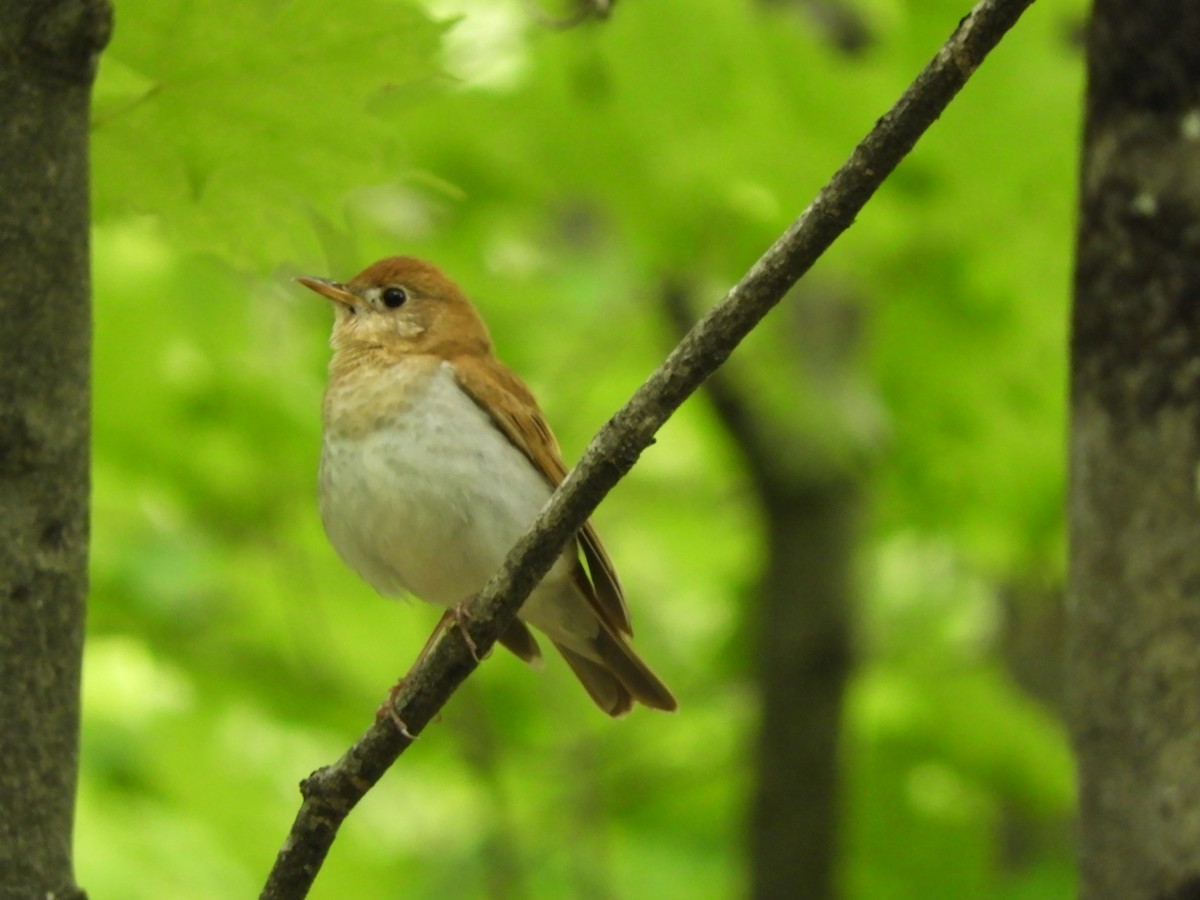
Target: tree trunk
46	73
810	496
1134	593
804	661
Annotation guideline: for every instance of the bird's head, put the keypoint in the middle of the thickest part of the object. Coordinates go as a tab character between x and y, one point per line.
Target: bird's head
402	305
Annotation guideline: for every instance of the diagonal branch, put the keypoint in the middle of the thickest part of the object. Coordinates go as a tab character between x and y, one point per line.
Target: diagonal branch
748	430
331	792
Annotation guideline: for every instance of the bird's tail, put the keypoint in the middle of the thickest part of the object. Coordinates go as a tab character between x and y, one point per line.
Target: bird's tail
614	675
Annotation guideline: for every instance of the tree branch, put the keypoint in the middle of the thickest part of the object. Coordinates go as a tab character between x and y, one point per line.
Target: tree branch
749	432
331	792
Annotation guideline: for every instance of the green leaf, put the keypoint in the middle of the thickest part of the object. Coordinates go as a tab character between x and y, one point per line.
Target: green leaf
239	124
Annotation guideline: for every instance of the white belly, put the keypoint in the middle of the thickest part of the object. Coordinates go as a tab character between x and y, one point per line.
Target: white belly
432	500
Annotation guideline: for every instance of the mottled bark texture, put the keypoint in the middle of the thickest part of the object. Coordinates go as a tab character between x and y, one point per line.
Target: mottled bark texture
1134	510
48	52
332	792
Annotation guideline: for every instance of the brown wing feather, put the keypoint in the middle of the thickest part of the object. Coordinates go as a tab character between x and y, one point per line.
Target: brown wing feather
511	405
604	576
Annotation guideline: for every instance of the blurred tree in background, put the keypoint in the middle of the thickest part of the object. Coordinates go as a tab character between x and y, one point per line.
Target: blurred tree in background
564	178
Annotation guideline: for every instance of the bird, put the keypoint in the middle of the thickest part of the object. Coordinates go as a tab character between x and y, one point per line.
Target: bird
435	459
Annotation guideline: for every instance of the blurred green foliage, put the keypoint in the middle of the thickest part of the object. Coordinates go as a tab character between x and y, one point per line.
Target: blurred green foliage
561	177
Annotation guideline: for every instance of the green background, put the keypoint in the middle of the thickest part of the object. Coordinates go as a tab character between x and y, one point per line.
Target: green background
562	177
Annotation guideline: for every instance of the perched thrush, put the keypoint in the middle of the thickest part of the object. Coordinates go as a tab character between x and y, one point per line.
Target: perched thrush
435	459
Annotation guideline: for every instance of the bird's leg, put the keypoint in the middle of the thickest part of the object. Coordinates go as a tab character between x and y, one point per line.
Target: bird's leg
388	707
458	613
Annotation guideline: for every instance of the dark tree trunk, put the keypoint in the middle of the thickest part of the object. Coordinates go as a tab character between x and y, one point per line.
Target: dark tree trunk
803	651
810	497
1134	510
46	70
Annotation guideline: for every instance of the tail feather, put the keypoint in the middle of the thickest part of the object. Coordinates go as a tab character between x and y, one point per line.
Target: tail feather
615	676
602	686
594	643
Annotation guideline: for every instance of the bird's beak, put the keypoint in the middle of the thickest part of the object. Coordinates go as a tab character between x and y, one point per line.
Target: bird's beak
334	290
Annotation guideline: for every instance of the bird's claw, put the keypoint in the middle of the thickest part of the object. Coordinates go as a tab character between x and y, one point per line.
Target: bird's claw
460	616
388	708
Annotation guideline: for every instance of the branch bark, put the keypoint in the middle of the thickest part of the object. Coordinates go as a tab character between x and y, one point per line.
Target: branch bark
1134	531
48	54
331	792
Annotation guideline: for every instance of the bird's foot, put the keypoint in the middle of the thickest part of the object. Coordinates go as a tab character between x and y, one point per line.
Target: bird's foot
388	709
461	617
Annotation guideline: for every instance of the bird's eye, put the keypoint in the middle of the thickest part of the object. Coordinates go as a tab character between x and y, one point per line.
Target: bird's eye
394	296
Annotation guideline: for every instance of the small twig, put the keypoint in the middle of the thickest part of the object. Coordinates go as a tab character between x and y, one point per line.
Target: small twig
331	792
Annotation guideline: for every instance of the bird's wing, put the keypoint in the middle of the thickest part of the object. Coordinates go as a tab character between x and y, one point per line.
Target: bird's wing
512	407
